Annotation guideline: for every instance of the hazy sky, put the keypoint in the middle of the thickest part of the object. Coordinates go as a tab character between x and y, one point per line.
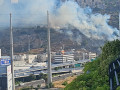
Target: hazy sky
14	1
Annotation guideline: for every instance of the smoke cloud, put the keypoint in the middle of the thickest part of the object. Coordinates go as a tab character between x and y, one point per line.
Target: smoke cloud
62	15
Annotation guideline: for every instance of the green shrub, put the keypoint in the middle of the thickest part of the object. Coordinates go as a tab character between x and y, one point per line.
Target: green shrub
95	75
38	86
64	83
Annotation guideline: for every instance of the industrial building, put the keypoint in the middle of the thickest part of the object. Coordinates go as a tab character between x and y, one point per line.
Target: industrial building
25	58
63	57
5	77
42	57
5	74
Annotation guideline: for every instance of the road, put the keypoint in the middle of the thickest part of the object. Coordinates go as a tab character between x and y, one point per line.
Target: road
39	82
39	69
32	83
64	70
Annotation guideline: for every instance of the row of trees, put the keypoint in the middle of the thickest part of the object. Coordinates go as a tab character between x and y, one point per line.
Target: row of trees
95	75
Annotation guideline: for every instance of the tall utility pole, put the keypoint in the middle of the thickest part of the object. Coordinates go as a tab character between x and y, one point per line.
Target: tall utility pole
28	48
28	43
49	52
11	53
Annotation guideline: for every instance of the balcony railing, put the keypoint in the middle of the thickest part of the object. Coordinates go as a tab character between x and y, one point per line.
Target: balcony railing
114	74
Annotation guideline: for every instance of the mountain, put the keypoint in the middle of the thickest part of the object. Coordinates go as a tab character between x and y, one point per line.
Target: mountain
37	36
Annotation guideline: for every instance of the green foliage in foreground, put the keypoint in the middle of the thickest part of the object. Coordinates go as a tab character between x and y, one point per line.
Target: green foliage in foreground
26	88
64	83
95	75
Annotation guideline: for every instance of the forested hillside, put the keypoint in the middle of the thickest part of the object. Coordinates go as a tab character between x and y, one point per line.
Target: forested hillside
38	34
37	38
95	75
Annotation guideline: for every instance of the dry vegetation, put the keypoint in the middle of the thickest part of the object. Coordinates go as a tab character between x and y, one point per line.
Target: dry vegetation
58	84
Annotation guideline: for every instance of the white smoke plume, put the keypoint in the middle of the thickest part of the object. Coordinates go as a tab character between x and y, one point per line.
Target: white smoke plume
62	14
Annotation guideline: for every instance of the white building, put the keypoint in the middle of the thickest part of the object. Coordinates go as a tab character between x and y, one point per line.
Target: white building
5	77
31	58
63	58
92	55
26	58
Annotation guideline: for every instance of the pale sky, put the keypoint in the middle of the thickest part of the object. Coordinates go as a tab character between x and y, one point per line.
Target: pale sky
14	1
